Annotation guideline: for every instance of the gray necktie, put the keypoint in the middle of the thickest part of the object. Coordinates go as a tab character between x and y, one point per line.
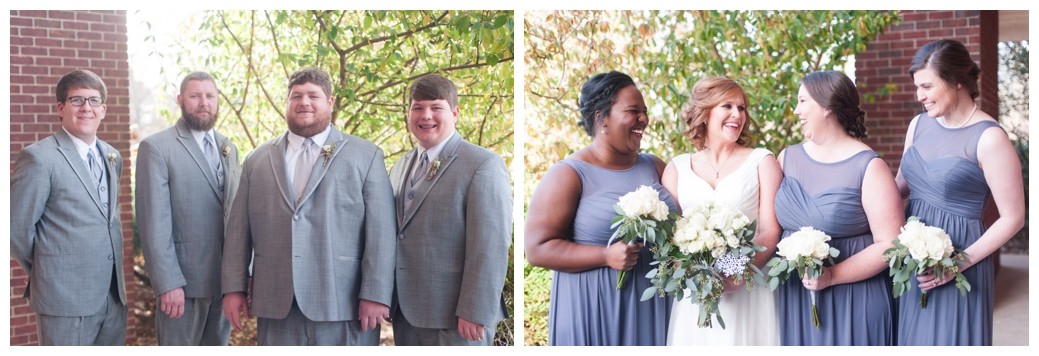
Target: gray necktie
304	164
420	170
97	172
214	161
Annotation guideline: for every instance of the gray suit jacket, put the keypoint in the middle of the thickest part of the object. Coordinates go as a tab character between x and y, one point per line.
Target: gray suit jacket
335	247
453	241
60	233
181	210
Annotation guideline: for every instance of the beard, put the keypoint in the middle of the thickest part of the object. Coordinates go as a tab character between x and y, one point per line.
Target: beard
197	123
308	130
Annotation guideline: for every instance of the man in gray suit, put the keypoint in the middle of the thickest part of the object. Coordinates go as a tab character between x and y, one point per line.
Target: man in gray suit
314	217
65	228
186	179
454	213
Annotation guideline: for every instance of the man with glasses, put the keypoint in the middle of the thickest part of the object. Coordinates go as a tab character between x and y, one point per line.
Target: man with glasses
186	180
65	228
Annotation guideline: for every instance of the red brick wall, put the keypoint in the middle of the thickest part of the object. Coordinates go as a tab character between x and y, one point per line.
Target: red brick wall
887	58
44	46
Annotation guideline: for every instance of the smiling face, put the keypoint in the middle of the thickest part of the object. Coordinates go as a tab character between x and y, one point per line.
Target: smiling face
199	105
309	111
809	111
627	120
81	121
432	121
727	119
938	97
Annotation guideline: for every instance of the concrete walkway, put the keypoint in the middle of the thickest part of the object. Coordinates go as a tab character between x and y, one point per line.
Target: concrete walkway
1010	322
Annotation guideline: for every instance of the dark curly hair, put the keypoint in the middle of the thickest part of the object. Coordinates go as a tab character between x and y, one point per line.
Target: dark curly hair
599	94
951	60
836	92
707	94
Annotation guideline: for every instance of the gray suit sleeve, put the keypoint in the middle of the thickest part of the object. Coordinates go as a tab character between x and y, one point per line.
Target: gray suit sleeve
155	219
487	239
380	231
30	189
237	240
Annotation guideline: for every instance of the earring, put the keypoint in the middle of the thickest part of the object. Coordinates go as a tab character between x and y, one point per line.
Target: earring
603	131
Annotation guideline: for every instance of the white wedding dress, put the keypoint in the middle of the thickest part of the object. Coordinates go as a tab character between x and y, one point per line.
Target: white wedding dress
750	316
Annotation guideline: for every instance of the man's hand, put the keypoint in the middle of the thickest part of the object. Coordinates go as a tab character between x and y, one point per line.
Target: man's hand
370	313
172	303
234	303
469	330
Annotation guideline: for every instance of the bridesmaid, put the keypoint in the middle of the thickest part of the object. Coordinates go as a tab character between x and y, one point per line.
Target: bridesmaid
568	225
837	184
955	156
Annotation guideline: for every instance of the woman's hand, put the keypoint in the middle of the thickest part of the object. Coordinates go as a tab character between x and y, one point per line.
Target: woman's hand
818	283
621	256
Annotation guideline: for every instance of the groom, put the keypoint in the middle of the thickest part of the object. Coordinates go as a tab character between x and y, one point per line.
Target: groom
455	218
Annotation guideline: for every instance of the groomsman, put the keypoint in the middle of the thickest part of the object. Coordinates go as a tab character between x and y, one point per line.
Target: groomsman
313	222
65	228
186	180
454	212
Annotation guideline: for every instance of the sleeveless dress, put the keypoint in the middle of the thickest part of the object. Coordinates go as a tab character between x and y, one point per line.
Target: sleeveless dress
947	189
828	197
750	315
585	308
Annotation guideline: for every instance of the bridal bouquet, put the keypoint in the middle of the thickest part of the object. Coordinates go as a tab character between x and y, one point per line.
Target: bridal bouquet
710	243
802	251
918	248
640	215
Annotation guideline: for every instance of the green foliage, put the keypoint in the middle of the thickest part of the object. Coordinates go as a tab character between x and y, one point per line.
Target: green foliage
767	52
537	283
372	57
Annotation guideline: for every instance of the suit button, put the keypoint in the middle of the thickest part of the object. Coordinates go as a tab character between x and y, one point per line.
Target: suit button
411	195
109	257
400	237
295	217
103	188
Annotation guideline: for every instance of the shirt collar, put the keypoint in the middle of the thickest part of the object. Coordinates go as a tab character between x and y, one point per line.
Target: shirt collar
200	135
296	141
82	147
434	151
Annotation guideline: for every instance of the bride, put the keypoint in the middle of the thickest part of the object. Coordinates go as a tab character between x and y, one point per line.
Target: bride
728	172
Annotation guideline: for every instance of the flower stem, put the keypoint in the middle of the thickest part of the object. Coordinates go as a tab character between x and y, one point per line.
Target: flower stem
815	311
923	300
620	279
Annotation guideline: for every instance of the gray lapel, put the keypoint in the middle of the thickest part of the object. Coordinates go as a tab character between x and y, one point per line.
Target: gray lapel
112	172
68	150
277	157
225	146
447	155
402	184
336	140
187	140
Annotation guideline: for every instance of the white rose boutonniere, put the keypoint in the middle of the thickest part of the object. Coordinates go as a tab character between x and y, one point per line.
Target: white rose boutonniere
434	167
111	157
326	152
226	151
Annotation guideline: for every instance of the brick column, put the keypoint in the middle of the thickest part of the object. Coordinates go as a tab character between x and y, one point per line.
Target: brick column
44	46
886	62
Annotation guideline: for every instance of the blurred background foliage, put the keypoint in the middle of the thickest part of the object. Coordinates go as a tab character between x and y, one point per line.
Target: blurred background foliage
767	52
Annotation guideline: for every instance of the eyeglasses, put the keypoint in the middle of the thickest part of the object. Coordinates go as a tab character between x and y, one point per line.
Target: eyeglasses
94	101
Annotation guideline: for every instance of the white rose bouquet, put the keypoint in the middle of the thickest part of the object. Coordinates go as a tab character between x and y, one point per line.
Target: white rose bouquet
918	248
802	251
640	215
711	242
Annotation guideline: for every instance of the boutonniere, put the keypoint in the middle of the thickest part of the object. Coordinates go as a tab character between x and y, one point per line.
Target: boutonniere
226	151
434	167
111	157
326	151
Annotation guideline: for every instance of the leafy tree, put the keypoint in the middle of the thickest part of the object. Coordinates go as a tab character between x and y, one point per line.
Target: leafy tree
767	52
372	57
